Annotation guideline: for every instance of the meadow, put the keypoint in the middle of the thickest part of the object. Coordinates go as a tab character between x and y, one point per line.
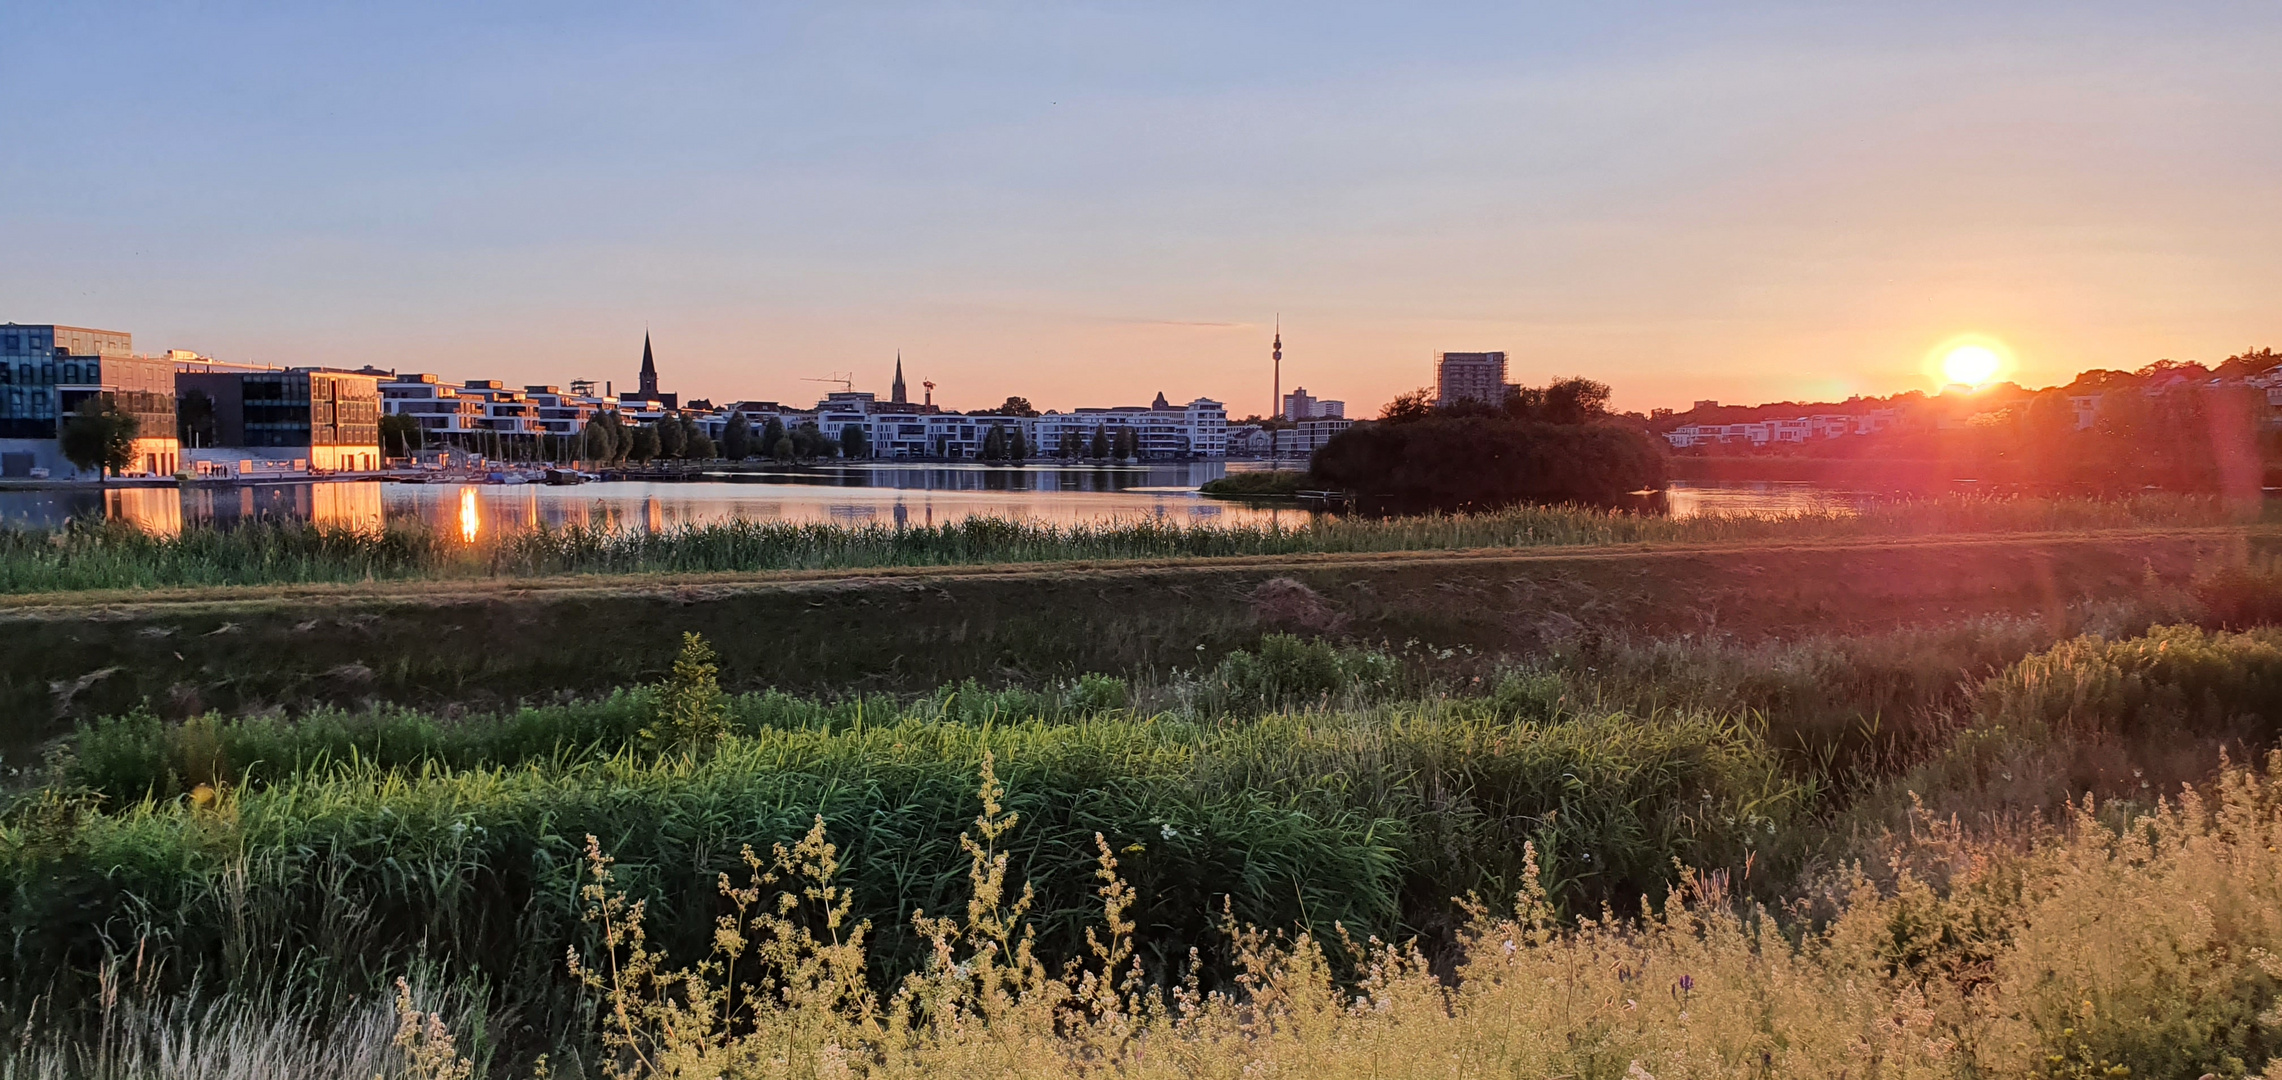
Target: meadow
116	557
1676	855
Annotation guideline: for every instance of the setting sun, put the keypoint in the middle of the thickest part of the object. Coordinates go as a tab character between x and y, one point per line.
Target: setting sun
1970	364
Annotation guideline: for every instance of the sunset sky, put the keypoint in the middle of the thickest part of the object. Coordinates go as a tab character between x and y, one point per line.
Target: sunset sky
1086	204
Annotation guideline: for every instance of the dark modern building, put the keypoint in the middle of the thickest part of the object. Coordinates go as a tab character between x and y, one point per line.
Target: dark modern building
329	420
48	371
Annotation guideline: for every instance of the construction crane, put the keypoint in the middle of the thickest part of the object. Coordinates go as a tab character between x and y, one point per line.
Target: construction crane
846	379
930	387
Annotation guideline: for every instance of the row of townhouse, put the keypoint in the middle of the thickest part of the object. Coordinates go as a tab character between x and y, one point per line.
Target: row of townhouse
1797	429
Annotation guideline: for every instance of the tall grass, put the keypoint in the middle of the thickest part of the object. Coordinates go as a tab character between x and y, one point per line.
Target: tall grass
1371	819
119	556
2094	950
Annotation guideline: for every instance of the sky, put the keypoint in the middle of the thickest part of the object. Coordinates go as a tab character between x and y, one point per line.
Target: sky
1086	204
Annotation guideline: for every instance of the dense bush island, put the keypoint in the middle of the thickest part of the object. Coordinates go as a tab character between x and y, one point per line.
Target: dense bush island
1259	482
1455	462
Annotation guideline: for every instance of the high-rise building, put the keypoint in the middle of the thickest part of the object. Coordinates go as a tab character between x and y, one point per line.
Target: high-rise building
1300	405
1469	376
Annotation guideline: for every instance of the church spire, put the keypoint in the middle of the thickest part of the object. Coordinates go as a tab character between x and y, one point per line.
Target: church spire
649	369
896	394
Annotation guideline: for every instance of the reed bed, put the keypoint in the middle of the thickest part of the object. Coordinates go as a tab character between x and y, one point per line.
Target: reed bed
120	556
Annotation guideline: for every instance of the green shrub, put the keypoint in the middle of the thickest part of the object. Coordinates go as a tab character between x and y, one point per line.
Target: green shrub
2176	681
1289	669
1097	693
690	714
1533	695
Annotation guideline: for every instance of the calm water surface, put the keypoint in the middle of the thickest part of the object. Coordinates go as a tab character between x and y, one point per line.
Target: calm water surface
845	495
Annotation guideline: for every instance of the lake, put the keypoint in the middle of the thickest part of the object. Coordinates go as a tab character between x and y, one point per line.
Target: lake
882	494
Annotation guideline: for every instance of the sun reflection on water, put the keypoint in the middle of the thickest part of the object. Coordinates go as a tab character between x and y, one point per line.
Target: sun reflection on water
470	524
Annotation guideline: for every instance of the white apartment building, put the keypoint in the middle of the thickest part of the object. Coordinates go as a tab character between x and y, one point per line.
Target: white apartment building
486	405
1797	429
1162	429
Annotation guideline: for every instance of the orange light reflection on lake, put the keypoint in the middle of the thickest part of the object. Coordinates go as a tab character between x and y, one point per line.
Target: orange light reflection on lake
470	523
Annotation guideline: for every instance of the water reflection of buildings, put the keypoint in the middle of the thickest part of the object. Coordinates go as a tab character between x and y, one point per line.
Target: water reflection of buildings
342	505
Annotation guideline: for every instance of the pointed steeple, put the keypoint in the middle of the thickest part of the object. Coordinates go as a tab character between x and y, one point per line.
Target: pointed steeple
895	393
649	369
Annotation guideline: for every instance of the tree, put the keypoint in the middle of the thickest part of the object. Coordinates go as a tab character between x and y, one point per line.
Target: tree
809	442
194	420
1016	406
604	439
670	436
994	443
1017	446
853	444
1072	445
772	433
699	446
100	436
782	449
737	438
1100	443
1128	444
1405	408
642	443
1566	401
399	434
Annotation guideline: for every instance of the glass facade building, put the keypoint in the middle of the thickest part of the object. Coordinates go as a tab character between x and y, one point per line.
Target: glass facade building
48	371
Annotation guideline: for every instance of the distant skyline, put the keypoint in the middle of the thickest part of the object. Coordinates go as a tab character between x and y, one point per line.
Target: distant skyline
1087	204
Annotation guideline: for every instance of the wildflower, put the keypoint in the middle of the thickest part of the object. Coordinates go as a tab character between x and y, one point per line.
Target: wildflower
1168	832
1687	983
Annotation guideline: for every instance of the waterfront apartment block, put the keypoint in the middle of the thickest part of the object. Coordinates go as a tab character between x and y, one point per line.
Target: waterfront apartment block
47	372
1469	376
286	420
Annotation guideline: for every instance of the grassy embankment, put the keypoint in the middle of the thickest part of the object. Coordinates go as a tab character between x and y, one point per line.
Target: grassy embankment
945	611
1314	788
117	558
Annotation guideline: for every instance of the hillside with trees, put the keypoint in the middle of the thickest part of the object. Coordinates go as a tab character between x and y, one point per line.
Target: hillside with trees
2169	425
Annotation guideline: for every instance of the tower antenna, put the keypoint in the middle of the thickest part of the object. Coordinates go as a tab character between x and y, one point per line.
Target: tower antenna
1276	404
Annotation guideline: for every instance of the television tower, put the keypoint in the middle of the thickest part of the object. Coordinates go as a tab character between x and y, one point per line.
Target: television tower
1276	404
